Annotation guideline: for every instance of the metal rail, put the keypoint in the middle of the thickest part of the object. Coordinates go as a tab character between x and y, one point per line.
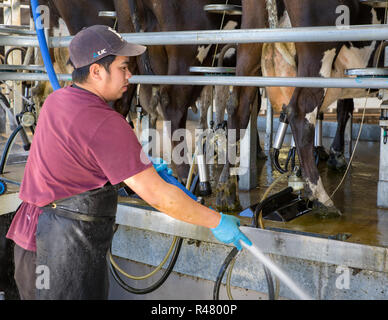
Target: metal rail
13	30
8	67
19	76
305	34
302	82
306	82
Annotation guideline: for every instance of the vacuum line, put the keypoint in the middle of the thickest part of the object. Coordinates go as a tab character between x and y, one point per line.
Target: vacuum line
276	270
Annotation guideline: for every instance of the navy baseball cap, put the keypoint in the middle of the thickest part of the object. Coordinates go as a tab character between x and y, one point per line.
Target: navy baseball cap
96	42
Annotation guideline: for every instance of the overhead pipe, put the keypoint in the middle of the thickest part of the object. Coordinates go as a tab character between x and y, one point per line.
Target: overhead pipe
302	34
302	82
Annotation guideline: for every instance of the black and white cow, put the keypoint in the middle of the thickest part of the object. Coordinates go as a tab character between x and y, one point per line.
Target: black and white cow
329	59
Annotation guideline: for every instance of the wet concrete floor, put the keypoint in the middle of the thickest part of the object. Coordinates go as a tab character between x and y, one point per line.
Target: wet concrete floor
361	220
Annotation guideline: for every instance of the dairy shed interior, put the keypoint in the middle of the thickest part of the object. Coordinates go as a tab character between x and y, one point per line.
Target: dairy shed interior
330	257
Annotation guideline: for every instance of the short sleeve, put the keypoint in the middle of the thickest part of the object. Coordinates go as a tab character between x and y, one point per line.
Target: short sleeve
117	150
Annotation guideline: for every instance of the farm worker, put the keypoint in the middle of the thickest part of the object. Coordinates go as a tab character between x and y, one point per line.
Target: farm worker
81	151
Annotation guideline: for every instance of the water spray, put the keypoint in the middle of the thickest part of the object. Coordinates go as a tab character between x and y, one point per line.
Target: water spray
277	271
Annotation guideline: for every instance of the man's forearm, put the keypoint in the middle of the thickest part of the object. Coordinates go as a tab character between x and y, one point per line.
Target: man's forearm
175	203
171	200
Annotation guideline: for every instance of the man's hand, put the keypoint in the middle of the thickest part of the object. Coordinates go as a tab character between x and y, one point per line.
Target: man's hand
228	231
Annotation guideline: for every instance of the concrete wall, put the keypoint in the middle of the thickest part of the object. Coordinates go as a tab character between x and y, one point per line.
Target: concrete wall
199	262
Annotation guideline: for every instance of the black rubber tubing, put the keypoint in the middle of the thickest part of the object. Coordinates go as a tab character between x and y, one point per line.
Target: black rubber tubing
224	267
158	283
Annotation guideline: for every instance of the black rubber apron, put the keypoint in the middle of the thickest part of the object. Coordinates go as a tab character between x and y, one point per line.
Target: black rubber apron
73	237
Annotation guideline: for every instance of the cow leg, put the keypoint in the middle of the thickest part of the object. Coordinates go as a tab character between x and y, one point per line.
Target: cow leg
221	94
174	102
204	103
239	106
241	98
302	112
260	152
337	159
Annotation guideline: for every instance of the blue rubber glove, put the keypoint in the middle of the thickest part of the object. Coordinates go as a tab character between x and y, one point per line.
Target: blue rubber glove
228	232
160	165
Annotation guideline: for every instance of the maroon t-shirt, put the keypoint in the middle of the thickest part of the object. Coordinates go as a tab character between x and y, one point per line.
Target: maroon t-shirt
80	144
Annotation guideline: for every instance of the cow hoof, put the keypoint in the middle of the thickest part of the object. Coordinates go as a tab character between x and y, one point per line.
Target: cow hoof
337	161
325	212
226	199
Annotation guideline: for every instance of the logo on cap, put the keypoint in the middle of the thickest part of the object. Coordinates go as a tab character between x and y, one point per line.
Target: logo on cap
99	53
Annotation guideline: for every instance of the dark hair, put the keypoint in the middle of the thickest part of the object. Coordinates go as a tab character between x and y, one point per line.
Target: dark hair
80	75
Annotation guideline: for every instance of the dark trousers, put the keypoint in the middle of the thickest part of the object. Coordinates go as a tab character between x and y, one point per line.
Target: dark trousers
25	276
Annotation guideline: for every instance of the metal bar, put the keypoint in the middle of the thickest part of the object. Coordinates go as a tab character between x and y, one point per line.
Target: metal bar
7	5
248	153
9	67
19	76
269	127
15	27
8	30
306	82
19	41
305	34
302	82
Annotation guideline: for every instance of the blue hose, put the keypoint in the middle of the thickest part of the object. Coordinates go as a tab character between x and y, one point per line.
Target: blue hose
3	187
170	179
44	48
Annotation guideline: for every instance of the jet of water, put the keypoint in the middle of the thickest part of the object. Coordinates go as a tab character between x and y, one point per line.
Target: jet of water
277	271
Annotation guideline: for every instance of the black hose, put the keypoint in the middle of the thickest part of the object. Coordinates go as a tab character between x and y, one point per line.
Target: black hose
23	50
268	277
224	267
158	283
275	161
288	159
7	148
232	254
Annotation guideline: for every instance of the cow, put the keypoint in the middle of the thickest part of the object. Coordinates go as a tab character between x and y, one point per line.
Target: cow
172	101
328	59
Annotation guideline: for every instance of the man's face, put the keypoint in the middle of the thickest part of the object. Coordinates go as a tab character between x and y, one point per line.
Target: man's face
114	83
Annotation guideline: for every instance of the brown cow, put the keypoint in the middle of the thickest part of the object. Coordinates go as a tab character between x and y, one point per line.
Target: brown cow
313	60
170	15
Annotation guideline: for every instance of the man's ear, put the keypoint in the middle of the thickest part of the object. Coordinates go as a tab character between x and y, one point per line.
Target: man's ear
95	71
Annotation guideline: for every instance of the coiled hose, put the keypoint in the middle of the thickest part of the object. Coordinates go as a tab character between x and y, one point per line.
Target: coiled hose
230	260
113	267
